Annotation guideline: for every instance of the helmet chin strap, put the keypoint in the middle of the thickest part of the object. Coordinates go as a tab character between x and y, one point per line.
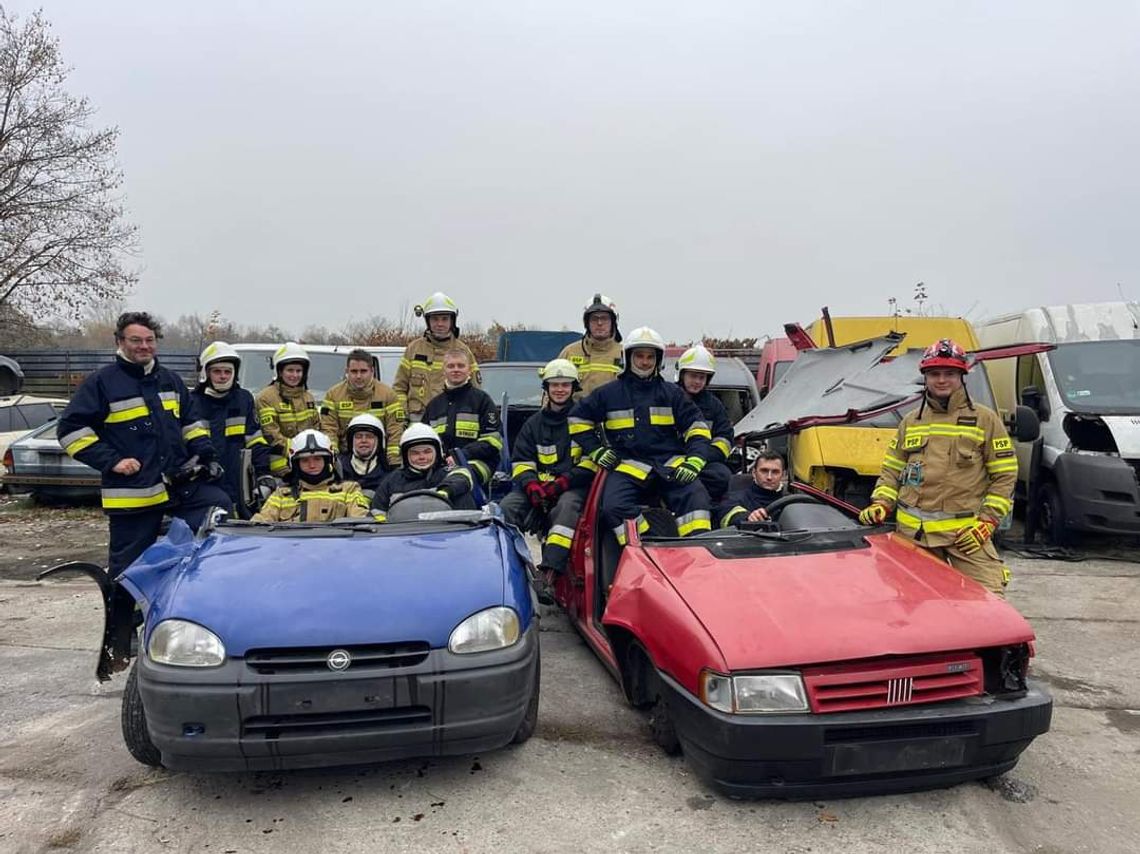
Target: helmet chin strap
644	374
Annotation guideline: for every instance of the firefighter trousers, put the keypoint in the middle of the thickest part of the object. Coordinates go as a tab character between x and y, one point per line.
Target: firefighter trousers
556	524
623	496
716	476
984	565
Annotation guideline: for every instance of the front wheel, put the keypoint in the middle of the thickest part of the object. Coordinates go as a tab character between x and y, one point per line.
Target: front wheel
661	725
135	733
1051	517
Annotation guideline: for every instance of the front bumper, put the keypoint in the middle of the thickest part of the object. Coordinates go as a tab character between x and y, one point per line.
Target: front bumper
1101	494
234	719
856	753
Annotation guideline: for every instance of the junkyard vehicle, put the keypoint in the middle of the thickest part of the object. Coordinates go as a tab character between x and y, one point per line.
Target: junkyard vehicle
20	413
326	364
1084	473
36	463
300	645
807	656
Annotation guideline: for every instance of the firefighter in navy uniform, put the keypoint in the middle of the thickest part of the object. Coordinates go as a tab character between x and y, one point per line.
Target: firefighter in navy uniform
949	473
651	437
598	356
466	419
363	460
420	375
315	492
233	421
695	370
422	467
750	502
286	406
132	422
551	477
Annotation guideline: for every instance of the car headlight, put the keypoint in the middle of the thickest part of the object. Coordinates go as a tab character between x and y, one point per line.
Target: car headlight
753	693
185	644
494	628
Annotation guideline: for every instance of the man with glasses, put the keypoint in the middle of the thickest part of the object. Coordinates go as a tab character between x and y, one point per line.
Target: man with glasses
598	356
749	502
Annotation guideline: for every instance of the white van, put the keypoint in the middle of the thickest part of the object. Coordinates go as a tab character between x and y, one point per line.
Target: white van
1083	476
326	365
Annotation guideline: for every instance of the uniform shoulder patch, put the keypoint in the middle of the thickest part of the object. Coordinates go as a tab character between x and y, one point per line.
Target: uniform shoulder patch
1002	444
970	420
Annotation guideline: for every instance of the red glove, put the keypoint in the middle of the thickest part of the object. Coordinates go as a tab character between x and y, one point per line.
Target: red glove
557	486
535	493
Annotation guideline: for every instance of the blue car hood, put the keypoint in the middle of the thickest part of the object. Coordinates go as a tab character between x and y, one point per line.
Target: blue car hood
259	592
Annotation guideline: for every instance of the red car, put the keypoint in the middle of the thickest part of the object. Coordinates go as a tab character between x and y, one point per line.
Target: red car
809	656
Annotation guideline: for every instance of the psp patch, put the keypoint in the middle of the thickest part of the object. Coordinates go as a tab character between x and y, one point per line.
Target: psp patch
1003	444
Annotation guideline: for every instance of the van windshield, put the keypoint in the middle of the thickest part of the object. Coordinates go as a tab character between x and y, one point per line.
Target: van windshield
1099	376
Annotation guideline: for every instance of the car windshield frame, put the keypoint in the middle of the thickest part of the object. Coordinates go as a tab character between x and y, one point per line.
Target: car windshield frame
1078	394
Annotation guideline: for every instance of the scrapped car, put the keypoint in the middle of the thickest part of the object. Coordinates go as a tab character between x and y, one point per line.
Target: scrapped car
36	463
807	656
20	413
270	646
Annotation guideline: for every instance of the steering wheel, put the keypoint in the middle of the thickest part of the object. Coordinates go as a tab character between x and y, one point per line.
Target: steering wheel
429	500
776	507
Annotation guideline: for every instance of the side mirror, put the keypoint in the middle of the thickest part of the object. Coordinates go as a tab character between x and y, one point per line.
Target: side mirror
1031	396
1026	425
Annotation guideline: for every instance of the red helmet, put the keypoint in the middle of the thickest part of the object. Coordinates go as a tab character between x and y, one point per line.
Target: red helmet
945	353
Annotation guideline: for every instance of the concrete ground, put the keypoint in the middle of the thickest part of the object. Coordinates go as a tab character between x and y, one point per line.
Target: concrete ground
590	779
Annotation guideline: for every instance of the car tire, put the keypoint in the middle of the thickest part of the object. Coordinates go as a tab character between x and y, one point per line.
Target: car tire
661	725
135	733
530	719
1051	517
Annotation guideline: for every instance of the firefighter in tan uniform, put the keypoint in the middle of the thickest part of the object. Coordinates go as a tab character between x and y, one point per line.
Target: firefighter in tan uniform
598	356
360	392
285	407
316	493
949	473
420	375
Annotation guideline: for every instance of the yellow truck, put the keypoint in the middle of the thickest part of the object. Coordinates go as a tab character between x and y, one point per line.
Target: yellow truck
844	460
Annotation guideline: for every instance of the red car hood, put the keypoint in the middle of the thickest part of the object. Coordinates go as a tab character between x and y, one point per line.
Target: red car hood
888	599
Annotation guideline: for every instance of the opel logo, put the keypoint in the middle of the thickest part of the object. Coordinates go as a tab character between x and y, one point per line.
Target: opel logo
339	659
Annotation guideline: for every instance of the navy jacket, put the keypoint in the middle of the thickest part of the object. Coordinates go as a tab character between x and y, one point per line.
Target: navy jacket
738	503
369	482
716	416
118	412
234	425
650	423
403	479
467	419
543	450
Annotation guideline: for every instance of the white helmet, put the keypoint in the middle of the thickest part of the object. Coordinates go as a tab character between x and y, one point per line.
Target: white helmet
288	352
697	359
601	302
364	421
440	303
308	443
218	351
643	336
420	434
559	369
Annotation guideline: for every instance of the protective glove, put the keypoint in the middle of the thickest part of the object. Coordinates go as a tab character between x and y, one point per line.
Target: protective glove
685	473
874	514
446	490
556	487
266	486
606	457
535	493
186	472
973	537
215	470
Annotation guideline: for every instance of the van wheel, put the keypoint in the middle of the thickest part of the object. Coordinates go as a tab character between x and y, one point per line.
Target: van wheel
661	725
1051	517
530	719
135	733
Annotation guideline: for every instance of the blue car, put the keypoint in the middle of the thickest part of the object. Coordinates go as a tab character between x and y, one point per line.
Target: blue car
304	645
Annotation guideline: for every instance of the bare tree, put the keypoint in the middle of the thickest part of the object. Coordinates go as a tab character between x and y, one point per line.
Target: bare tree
63	236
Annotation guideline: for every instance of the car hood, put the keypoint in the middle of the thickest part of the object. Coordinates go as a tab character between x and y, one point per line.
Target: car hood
285	591
890	598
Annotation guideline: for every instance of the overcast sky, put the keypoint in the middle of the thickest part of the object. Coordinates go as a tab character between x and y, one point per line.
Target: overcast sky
716	168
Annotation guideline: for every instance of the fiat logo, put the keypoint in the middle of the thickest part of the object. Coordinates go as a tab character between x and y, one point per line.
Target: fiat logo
339	659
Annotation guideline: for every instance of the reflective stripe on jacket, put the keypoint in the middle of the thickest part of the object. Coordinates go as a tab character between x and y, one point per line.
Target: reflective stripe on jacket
234	426
719	424
945	467
420	375
466	419
342	403
543	450
321	502
598	362
284	412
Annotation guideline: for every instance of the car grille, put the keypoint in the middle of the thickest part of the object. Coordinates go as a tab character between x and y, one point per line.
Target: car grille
315	658
338	723
899	682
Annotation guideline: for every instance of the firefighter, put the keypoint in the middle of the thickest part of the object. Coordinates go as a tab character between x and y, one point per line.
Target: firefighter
315	492
551	477
651	437
695	370
285	406
598	356
132	422
234	426
420	375
466	419
422	467
363	459
949	473
358	392
749	503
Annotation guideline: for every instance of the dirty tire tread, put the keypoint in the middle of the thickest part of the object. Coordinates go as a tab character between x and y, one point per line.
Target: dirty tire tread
530	719
1052	515
661	725
135	733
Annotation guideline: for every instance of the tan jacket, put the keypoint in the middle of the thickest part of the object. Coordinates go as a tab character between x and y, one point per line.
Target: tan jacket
284	412
342	403
420	375
945	468
321	502
597	362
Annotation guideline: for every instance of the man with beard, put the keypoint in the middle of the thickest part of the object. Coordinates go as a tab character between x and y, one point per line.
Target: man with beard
362	460
598	356
359	392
